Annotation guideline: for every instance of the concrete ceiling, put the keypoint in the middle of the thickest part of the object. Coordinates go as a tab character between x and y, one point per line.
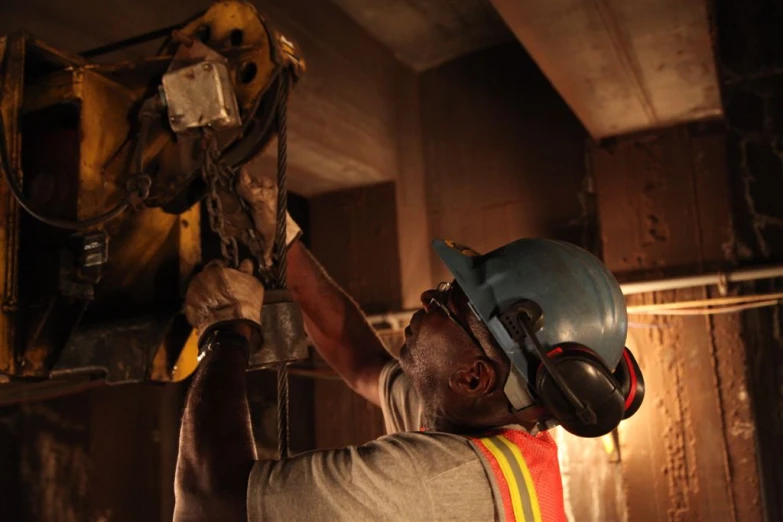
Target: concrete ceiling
622	66
426	33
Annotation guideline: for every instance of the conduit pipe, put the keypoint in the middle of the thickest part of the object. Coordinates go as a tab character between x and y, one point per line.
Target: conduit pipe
717	278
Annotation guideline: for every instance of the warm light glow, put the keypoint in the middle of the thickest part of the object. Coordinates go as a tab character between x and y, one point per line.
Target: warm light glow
608	442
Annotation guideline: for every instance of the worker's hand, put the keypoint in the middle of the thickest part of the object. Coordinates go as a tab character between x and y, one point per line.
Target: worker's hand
260	193
219	295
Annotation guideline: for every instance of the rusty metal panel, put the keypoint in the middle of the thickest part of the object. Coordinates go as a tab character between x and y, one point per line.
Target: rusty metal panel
10	103
622	66
104	127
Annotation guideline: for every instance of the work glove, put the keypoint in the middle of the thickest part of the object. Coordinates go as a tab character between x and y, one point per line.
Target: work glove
218	295
260	193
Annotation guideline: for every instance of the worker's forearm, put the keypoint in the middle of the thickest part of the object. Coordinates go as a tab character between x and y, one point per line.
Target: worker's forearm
336	324
216	449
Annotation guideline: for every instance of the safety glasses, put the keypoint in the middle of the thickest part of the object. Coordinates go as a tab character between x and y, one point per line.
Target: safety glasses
440	299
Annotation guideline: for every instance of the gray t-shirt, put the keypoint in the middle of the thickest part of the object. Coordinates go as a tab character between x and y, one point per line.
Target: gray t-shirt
403	476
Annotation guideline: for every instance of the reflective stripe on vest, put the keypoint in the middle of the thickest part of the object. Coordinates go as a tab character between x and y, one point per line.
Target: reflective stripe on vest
525	475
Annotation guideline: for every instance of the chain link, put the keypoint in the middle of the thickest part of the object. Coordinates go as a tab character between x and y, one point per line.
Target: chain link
217	175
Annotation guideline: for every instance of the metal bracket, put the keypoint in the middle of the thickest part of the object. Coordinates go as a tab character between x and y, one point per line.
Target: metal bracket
120	352
201	95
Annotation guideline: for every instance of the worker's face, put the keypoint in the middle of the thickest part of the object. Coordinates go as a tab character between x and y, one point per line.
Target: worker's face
437	350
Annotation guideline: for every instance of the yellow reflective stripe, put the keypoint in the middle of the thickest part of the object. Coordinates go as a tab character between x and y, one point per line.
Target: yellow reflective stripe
528	477
511	481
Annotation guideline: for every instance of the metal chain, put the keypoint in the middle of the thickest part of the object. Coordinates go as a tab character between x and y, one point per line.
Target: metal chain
283	435
215	175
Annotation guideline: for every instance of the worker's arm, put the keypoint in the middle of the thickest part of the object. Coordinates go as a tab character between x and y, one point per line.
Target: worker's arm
336	325
334	322
216	450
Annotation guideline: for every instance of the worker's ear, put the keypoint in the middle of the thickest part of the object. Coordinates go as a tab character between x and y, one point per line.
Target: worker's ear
474	380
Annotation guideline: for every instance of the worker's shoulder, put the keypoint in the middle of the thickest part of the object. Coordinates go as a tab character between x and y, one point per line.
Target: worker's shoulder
425	453
445	467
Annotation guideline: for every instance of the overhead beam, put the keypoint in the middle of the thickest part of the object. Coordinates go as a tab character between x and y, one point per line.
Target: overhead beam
427	33
621	66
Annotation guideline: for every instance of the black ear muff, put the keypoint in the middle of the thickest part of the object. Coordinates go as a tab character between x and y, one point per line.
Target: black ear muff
629	376
591	381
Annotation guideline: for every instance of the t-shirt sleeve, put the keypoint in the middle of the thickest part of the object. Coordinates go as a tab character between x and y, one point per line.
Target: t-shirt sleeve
399	401
369	482
403	477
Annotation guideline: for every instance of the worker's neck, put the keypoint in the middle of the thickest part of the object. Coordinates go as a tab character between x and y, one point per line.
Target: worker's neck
445	424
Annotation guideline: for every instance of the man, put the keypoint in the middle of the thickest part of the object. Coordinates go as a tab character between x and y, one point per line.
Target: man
466	407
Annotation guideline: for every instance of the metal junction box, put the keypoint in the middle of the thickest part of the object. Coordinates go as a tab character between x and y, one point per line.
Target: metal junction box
201	95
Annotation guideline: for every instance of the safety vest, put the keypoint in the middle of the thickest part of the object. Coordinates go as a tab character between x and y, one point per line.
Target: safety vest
525	475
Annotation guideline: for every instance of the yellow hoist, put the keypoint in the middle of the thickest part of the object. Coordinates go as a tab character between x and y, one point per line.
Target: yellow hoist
104	168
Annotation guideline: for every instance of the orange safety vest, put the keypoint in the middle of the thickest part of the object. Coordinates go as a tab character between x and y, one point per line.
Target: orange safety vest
524	473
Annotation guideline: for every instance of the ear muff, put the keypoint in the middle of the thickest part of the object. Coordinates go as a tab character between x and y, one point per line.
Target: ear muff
591	381
629	376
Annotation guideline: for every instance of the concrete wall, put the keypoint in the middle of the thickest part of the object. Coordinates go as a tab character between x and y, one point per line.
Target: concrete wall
664	208
751	59
354	236
504	155
107	454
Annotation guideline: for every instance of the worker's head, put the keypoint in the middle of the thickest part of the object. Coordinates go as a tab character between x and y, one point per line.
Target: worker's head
533	331
453	363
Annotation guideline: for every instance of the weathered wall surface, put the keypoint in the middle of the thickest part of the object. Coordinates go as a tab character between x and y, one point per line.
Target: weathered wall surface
105	455
664	207
751	57
354	236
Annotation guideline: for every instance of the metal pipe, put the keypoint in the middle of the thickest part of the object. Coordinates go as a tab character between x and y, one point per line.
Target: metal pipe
718	278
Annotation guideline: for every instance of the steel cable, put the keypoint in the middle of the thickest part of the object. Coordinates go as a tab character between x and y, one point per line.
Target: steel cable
280	257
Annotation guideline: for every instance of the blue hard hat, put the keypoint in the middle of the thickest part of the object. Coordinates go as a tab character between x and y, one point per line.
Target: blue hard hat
580	299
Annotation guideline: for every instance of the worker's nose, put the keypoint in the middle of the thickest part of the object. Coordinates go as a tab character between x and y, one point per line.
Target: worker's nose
426	298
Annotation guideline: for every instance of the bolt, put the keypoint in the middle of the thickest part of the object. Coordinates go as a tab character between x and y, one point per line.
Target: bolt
206	66
175	118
